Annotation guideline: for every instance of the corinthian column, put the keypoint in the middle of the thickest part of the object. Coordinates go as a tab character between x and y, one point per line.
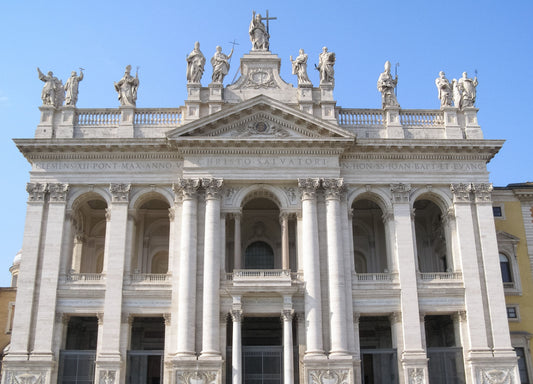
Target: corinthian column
288	366
187	270
337	299
284	221
236	347
212	255
313	306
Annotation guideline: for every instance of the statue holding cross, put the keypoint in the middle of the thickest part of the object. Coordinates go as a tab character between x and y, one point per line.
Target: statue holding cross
259	33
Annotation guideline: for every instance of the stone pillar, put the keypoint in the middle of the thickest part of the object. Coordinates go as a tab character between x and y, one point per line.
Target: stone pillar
77	250
413	356
237	257
327	104
288	365
223	246
336	281
216	91
174	266
46	310
192	104
313	305
31	243
108	358
451	123
388	222
349	269
236	345
45	129
284	221
305	98
472	128
211	296
65	130
357	348
187	270
391	115
466	239
501	342
127	117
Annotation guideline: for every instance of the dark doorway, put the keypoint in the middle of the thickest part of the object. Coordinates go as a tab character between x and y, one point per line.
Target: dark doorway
145	357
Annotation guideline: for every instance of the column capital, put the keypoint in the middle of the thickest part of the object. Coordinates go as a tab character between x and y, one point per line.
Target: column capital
395	317
400	192
448	216
235	215
186	188
58	192
287	314
388	215
333	188
482	192
283	217
460	316
100	317
108	214
36	191
171	213
120	193
213	188
461	192
356	317
236	315
168	318
308	187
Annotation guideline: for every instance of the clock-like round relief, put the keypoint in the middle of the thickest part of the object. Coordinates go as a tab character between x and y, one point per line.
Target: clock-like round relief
261	126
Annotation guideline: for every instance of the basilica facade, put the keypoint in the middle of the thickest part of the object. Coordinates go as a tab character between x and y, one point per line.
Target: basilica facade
260	234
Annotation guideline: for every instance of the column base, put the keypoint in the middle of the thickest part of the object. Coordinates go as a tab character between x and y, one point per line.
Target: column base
109	368
197	371
210	355
328	370
415	367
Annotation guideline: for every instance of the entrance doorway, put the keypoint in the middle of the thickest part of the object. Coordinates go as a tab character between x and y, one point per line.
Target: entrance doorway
145	357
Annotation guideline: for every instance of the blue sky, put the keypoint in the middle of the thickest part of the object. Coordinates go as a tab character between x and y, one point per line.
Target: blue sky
493	37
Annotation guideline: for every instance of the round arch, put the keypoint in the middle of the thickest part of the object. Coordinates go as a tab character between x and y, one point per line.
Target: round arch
146	194
378	195
82	195
276	194
437	196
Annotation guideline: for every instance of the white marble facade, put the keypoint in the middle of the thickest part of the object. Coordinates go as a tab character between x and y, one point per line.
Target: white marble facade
369	214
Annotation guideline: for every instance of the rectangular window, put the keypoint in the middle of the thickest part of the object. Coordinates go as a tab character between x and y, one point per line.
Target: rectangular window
497	211
511	313
522	365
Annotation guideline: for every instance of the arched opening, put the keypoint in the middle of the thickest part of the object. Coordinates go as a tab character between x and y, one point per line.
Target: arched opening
259	255
89	230
505	267
369	239
430	238
152	236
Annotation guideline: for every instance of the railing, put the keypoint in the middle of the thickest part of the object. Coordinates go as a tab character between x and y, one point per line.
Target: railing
421	118
89	277
430	276
158	117
98	117
384	276
243	274
360	117
150	277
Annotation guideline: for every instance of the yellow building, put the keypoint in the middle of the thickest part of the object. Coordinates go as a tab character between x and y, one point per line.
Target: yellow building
7	306
513	217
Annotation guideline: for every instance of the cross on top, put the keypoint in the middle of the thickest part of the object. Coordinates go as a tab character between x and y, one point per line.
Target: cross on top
267	19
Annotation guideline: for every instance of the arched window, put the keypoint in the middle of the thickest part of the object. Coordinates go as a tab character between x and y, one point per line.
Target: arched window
505	267
259	255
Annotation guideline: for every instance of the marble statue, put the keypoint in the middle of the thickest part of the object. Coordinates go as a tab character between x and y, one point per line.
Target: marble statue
71	88
195	64
457	92
326	61
468	88
445	90
220	62
299	68
258	34
53	91
127	88
386	85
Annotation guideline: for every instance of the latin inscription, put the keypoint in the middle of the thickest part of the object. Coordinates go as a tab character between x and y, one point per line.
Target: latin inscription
413	167
109	166
265	162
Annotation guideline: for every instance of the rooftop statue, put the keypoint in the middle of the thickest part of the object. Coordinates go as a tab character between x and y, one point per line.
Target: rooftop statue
445	90
195	64
386	85
468	89
53	91
220	62
326	61
71	88
127	88
299	68
457	91
258	34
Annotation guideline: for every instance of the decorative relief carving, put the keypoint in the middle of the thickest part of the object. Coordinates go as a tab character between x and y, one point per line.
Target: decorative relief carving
171	214
497	376
262	128
329	376
107	377
291	194
461	192
400	192
58	192
482	192
212	187
120	193
260	78
333	187
416	376
308	187
187	188
25	378
196	377
36	191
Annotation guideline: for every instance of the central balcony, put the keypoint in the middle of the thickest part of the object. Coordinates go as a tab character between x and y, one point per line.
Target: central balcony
261	277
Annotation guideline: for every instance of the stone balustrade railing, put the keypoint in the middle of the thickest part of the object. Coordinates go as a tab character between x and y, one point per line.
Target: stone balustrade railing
239	274
379	277
432	276
150	277
421	118
360	117
97	117
85	277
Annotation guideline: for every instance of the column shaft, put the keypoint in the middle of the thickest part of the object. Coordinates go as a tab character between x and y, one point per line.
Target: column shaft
284	221
288	365
237	242
236	348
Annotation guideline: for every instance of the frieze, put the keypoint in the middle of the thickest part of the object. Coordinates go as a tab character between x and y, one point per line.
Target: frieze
108	166
262	162
329	376
196	377
413	166
496	376
24	378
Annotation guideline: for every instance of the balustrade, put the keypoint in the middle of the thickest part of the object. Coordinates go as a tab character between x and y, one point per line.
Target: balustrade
158	117
429	276
98	117
384	276
421	118
85	277
361	117
150	277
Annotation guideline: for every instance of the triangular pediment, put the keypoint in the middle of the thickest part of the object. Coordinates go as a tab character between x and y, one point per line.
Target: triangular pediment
263	119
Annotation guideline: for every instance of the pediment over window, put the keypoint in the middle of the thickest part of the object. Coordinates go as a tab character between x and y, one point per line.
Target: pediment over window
260	119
